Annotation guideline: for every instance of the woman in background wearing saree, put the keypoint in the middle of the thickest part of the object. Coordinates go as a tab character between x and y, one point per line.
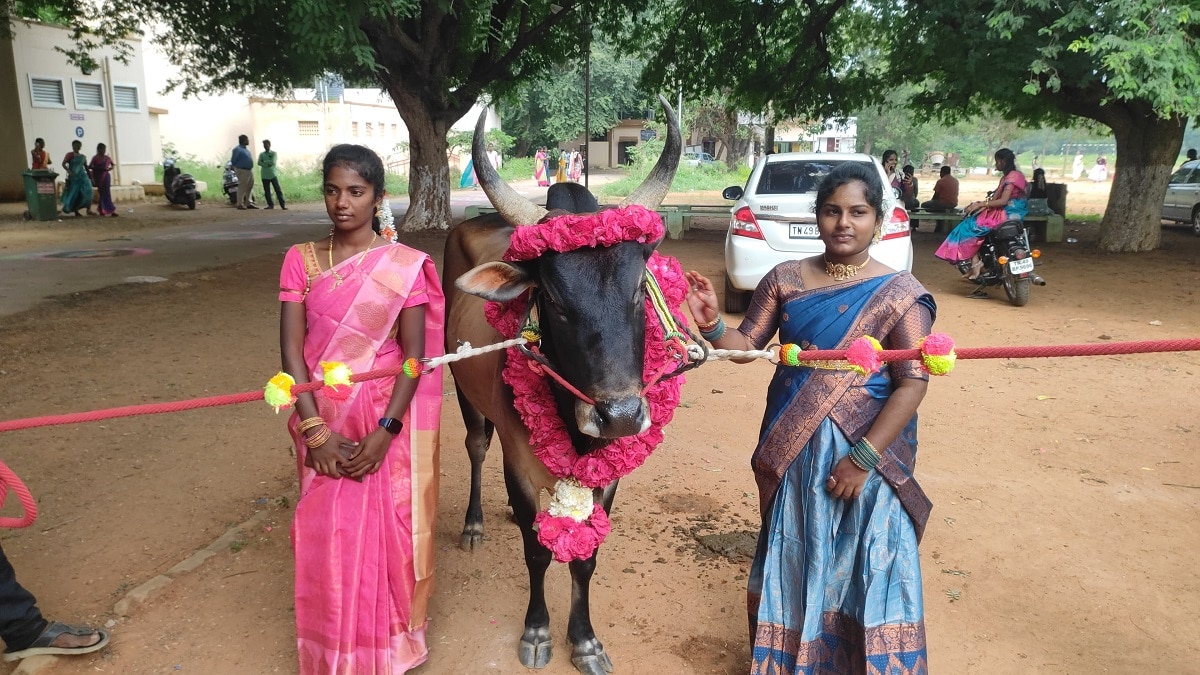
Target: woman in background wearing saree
539	168
835	584
77	192
1007	202
366	453
101	169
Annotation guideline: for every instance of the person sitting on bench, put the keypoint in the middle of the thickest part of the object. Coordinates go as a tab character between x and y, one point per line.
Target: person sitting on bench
945	193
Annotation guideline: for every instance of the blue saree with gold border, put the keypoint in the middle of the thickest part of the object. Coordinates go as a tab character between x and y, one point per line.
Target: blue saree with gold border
835	586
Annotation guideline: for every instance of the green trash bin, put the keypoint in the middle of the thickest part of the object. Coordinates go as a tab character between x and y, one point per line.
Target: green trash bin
40	194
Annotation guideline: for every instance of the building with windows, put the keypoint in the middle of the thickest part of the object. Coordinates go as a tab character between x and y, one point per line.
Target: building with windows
43	96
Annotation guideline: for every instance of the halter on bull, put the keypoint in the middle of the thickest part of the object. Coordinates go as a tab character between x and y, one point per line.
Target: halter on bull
589	304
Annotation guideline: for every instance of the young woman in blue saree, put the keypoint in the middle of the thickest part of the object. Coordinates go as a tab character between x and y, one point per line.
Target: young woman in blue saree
835	585
77	192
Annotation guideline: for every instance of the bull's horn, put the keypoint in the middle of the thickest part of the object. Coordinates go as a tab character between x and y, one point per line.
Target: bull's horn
515	209
654	189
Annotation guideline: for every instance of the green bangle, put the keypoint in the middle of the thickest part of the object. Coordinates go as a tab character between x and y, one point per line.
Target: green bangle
715	333
864	455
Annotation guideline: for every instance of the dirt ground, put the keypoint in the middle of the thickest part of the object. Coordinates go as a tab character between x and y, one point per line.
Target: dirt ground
1062	539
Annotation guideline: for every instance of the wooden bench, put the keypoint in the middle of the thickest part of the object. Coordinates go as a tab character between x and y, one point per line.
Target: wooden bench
676	217
1047	228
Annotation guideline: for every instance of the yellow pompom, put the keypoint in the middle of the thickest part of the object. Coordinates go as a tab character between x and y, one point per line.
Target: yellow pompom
278	392
939	365
335	373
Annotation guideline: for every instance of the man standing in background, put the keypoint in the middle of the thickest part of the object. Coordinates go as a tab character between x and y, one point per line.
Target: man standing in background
266	170
243	164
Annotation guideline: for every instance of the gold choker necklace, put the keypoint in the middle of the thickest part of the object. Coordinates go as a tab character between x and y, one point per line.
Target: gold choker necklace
842	272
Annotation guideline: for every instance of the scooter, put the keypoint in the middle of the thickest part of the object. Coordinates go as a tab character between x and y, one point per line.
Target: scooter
1008	261
179	187
229	183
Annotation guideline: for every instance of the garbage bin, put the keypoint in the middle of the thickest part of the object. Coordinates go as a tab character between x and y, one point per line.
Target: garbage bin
40	195
1056	197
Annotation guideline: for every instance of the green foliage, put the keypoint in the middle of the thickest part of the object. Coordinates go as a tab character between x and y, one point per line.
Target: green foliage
785	59
713	177
516	168
460	141
549	109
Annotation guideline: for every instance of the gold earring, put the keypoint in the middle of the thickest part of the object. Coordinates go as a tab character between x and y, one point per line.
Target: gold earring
878	236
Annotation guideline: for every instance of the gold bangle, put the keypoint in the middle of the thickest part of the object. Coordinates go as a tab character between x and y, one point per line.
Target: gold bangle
710	325
318	439
310	423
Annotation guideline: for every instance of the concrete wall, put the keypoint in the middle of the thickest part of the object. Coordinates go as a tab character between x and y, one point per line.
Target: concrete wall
125	132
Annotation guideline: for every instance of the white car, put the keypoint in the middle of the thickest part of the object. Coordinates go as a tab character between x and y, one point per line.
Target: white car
1182	201
774	220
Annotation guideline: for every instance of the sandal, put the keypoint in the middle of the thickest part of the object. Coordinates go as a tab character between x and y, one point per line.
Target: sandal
44	643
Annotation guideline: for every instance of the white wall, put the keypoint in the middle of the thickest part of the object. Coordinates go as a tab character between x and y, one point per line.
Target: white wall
125	132
301	129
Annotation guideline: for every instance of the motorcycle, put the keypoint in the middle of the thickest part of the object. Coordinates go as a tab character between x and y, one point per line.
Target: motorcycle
179	187
1008	261
229	183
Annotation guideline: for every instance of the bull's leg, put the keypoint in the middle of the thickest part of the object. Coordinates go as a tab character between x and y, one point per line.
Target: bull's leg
588	656
479	437
534	650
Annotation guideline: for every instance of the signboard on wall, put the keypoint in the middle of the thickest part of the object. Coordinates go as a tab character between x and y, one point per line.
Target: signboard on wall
78	132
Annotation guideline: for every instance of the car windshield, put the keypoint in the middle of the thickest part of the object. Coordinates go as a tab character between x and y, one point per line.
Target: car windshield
794	176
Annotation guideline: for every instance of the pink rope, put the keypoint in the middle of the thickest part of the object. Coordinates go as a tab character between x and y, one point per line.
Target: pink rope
9	479
1097	349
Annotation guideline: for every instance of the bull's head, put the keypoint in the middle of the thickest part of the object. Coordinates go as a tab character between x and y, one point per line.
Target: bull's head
590	302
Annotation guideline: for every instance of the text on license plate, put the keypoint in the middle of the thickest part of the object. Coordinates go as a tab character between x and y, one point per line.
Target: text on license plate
1021	266
803	231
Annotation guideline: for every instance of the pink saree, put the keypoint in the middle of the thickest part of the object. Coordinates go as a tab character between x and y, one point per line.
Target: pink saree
364	551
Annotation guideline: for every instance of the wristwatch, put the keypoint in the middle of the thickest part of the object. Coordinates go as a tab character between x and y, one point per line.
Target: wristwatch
391	425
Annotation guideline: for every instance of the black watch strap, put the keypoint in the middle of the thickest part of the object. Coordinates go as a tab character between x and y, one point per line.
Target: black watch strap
391	425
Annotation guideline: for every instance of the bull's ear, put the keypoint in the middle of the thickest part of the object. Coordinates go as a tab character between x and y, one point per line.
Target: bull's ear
497	281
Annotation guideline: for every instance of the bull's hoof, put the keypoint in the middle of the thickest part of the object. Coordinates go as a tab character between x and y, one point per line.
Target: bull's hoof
472	538
590	658
534	650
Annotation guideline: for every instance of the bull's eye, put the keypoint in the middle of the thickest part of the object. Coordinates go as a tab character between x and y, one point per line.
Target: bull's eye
553	307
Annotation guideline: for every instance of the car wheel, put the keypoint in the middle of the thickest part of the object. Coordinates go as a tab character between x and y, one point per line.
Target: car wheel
736	301
1196	220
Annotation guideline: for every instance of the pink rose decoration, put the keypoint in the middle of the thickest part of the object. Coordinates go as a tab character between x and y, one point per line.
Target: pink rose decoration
565	538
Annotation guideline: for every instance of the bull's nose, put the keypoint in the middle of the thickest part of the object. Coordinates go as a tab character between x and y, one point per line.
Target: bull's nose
613	418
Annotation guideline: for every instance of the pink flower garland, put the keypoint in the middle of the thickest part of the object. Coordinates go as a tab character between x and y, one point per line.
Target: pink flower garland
567	538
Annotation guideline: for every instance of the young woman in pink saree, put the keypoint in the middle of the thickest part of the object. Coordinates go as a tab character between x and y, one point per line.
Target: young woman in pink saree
366	453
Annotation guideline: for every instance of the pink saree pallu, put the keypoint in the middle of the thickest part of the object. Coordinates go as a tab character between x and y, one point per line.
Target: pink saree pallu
364	550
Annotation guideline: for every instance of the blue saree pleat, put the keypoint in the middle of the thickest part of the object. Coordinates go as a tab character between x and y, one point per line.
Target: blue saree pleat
835	586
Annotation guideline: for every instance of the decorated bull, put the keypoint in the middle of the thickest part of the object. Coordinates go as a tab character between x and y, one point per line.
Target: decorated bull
585	400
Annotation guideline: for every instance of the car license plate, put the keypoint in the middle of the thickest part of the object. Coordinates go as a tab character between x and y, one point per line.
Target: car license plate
804	231
1021	266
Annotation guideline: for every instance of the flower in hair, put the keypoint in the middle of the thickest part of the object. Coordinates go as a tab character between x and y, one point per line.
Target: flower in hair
387	220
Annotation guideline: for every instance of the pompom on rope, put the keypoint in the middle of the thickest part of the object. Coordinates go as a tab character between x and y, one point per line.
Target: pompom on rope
937	353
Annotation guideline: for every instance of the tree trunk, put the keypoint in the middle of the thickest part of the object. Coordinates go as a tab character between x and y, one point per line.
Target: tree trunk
769	139
1146	149
429	166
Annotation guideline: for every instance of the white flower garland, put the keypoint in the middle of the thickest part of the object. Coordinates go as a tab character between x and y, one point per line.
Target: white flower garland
387	221
571	500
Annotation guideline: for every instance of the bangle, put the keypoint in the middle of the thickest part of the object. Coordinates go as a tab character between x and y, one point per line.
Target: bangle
715	333
318	439
310	423
864	455
710	325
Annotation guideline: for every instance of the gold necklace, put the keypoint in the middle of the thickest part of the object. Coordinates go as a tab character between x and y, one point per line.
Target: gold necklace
339	277
842	272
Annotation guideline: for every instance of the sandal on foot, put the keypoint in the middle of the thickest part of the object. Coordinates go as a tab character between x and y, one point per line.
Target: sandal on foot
44	643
